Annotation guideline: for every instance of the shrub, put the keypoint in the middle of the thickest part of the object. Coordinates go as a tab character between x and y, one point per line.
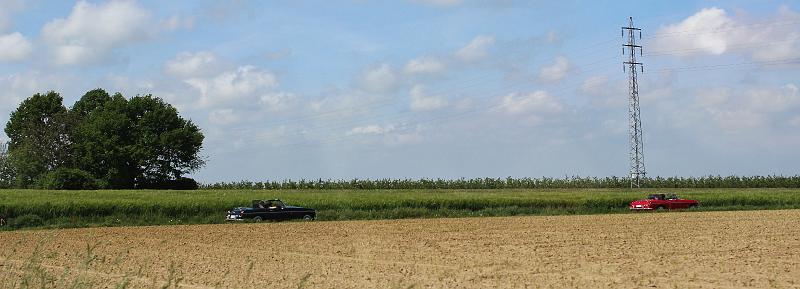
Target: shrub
29	220
68	179
179	184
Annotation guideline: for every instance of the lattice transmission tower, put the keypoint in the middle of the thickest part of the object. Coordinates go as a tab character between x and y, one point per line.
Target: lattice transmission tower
636	153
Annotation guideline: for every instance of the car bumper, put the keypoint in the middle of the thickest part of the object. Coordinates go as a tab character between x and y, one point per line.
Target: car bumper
233	218
641	208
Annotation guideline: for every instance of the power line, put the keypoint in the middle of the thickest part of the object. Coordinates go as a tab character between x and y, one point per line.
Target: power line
737	46
467	113
401	114
728	65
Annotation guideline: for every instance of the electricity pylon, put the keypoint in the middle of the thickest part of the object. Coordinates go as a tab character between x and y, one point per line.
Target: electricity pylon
636	153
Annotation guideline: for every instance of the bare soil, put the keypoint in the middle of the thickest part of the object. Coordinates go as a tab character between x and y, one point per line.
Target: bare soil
653	250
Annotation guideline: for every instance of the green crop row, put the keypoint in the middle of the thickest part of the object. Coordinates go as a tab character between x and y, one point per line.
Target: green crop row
37	208
515	183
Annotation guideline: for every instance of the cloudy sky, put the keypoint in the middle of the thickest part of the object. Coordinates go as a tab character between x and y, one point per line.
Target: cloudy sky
431	88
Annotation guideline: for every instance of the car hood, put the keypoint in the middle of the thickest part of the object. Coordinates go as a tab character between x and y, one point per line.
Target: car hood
640	202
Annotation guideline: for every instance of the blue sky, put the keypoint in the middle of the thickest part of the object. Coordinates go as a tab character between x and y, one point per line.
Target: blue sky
431	88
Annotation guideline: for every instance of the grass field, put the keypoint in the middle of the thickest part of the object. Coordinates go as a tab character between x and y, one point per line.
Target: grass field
62	209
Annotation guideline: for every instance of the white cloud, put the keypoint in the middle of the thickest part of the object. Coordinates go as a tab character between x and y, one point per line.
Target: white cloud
7	9
735	111
556	71
535	102
124	83
380	78
476	49
424	65
14	47
711	31
594	84
17	87
441	3
21	85
736	121
772	100
277	101
93	32
232	87
605	91
682	35
371	129
224	116
422	102
710	98
192	64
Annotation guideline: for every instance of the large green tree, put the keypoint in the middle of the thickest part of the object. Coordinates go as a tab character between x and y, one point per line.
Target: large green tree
141	142
165	146
102	139
39	137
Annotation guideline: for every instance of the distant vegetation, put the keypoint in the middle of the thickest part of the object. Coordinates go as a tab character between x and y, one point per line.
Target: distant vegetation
102	141
515	183
59	209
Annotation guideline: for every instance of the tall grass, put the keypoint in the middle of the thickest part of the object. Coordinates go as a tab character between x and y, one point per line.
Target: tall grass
117	208
515	183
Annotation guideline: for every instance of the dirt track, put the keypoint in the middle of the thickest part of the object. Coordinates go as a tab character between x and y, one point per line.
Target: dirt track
664	250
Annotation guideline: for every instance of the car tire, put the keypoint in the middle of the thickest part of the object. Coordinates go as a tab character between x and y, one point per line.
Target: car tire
257	219
660	208
308	218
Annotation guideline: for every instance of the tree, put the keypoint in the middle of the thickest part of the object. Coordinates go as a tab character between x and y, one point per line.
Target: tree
39	137
165	146
102	140
90	101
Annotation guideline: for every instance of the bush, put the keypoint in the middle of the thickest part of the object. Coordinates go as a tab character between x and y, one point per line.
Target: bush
68	179
24	221
179	184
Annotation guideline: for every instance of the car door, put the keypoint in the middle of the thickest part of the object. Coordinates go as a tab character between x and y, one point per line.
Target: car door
275	212
682	204
281	212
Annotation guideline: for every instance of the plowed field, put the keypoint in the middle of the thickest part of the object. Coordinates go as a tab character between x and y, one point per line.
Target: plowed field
661	250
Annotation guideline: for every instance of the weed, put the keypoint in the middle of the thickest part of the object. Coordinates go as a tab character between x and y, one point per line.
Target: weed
303	281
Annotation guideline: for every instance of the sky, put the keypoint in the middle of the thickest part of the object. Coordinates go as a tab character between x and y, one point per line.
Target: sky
431	88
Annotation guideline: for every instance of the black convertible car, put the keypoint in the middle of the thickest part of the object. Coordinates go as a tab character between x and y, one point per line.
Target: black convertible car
270	210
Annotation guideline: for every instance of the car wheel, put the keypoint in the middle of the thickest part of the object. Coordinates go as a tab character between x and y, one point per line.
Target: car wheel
308	218
660	208
257	219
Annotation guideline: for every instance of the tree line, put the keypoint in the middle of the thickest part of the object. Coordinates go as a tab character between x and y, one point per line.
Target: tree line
102	142
705	182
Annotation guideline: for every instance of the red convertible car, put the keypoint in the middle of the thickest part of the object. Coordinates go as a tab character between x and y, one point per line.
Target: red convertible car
663	201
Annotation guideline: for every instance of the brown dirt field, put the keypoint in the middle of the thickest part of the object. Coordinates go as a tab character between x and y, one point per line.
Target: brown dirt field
655	250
